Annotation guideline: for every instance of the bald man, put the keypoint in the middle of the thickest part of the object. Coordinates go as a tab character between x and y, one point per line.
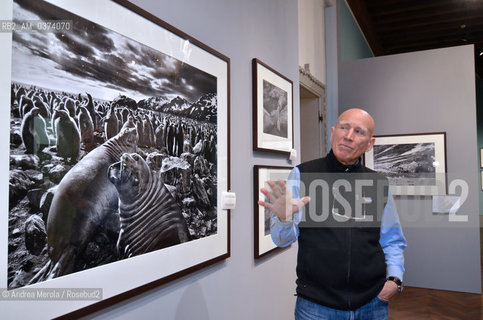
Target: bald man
350	259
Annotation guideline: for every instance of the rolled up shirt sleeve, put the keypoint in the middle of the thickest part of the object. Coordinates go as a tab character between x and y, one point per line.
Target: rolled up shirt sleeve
284	233
392	240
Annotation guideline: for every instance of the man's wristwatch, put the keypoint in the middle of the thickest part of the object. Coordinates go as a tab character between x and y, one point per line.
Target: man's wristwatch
398	282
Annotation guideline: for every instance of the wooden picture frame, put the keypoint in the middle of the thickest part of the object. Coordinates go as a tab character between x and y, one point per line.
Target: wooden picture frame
415	164
125	59
272	110
262	174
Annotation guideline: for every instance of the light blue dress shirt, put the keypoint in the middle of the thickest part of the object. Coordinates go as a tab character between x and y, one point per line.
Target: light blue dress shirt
392	239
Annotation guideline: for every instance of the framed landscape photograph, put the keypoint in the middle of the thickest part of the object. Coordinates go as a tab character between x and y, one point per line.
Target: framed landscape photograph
272	110
415	164
262	174
118	137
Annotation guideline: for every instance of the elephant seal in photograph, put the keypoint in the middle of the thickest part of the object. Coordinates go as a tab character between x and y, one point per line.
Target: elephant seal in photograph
83	199
150	217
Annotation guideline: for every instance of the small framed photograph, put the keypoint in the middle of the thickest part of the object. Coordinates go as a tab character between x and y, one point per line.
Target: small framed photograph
272	110
415	164
262	174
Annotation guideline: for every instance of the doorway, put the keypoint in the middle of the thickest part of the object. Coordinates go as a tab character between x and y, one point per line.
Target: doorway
313	122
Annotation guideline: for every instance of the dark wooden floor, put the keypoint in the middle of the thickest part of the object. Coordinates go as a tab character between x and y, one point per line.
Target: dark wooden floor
417	303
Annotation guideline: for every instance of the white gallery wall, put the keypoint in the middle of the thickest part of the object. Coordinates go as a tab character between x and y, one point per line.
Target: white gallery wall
332	48
312	37
428	91
240	287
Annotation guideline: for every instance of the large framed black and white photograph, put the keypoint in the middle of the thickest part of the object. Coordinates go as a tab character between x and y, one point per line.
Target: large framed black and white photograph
415	164
272	110
117	131
262	174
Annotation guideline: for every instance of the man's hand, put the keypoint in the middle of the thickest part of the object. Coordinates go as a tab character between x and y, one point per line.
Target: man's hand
281	201
390	289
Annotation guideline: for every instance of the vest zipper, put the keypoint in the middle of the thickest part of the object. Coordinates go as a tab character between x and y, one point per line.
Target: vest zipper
349	236
349	233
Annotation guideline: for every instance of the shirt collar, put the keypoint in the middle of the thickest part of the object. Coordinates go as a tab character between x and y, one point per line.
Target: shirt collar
339	167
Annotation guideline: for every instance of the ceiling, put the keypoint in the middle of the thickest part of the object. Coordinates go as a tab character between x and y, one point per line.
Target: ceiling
397	26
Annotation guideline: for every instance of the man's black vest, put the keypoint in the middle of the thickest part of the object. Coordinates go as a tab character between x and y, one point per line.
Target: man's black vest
340	262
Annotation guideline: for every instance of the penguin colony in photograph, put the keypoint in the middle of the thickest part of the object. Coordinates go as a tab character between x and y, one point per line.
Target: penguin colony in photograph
112	161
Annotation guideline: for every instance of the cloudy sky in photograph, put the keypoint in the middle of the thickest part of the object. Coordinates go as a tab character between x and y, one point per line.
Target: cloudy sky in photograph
91	58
